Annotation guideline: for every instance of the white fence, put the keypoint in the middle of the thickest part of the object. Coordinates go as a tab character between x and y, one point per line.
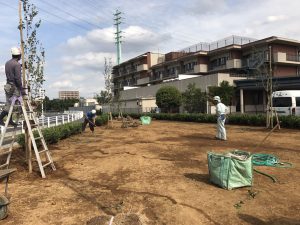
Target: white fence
51	121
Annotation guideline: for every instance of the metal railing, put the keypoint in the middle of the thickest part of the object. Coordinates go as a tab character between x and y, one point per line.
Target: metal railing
51	121
67	117
295	58
232	40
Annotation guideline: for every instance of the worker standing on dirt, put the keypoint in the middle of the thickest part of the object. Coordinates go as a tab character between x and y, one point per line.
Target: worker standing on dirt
221	117
13	87
89	118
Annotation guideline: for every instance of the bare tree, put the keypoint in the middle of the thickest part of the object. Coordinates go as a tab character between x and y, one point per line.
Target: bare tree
105	96
261	61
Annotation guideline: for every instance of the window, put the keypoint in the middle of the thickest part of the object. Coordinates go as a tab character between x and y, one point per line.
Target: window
282	102
297	101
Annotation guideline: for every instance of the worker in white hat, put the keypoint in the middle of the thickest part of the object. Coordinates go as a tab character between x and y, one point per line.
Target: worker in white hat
13	86
89	118
221	114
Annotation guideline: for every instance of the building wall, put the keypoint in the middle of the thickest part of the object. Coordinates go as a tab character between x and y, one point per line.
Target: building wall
292	50
201	82
285	71
235	54
154	58
203	60
68	94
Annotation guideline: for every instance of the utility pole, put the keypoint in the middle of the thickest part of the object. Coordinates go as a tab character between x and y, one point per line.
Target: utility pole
117	19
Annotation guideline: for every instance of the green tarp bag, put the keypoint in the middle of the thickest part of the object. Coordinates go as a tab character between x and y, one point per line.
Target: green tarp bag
146	120
230	170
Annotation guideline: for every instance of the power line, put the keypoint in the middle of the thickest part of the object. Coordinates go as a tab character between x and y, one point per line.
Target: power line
52	14
43	19
68	13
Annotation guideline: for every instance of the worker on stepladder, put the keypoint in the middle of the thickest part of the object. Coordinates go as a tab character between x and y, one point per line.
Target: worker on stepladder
221	117
13	87
89	118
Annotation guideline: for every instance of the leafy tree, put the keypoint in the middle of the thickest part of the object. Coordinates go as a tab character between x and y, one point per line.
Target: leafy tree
104	97
33	49
225	91
194	101
168	98
58	105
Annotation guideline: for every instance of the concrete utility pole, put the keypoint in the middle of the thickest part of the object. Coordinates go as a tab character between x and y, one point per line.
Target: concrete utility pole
117	19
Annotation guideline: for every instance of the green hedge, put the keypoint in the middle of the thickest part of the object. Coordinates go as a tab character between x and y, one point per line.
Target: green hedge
54	134
101	120
237	119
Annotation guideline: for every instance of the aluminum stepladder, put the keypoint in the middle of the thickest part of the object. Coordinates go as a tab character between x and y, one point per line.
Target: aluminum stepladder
31	123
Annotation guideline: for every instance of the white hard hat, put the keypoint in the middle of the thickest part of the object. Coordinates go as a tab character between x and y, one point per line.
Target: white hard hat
15	51
94	111
217	98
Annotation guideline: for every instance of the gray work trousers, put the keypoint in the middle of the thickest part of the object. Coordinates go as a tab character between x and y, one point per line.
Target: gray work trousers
10	90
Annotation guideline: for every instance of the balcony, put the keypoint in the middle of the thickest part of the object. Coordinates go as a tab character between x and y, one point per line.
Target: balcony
143	81
200	68
155	78
284	58
169	76
142	67
215	68
233	63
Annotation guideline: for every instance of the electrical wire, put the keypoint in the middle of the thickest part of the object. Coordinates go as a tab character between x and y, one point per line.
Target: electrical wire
70	14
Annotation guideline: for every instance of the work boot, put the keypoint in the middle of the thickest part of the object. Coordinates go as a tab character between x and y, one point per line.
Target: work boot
2	115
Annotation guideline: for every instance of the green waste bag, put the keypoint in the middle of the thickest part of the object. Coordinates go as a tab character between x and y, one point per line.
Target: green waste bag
3	207
146	120
230	170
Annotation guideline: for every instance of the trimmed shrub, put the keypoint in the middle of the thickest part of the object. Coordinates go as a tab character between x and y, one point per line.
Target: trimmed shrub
237	119
53	134
101	120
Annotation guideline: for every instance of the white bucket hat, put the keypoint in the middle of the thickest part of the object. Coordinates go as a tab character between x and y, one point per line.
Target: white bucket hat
15	51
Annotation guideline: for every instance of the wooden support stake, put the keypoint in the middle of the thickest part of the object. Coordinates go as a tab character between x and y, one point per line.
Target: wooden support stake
27	137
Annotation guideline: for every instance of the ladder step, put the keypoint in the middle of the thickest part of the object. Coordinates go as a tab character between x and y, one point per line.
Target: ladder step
4	165
5	153
43	151
29	111
47	164
38	138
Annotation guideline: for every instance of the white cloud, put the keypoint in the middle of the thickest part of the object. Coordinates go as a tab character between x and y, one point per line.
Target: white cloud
62	84
89	61
276	18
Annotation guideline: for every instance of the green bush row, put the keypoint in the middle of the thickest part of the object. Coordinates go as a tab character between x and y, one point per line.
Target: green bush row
237	119
54	134
101	120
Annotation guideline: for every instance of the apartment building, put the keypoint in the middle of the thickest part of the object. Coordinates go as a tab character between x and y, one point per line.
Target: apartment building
68	94
239	57
134	72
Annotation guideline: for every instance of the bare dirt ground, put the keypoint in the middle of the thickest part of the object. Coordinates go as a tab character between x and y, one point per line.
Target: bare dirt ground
155	174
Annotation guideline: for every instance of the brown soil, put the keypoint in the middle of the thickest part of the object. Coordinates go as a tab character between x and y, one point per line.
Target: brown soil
155	174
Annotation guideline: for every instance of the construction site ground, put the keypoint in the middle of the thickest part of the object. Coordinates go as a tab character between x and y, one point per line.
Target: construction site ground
155	174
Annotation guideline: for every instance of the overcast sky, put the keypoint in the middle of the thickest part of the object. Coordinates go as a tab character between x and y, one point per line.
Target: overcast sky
78	34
